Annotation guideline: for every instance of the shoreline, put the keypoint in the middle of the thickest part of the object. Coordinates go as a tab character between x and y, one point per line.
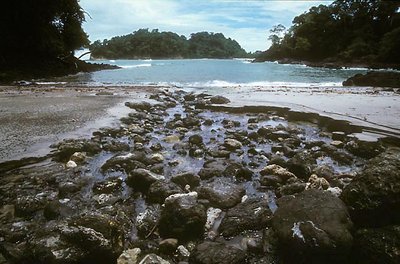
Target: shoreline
76	111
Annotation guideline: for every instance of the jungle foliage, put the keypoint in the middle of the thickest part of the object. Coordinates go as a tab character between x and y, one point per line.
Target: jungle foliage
154	44
365	31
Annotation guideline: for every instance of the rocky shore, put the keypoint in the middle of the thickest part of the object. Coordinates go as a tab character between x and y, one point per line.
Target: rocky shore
184	180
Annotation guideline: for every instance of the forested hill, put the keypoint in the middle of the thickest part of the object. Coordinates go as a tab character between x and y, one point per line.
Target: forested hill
346	31
154	44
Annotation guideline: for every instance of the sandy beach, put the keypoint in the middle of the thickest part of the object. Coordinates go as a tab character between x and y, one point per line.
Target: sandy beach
32	118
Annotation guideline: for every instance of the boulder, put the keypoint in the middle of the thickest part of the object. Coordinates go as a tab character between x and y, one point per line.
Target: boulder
219	100
221	192
253	214
186	178
313	227
217	253
232	144
373	197
182	217
196	140
380	245
140	106
160	190
301	164
141	179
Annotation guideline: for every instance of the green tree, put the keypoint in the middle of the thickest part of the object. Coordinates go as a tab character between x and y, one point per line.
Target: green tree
33	30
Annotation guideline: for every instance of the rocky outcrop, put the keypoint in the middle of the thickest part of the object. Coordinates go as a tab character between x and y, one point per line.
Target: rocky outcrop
217	253
373	197
375	79
313	227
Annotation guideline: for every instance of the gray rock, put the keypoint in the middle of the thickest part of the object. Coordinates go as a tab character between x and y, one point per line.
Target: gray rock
141	179
232	144
221	192
217	253
376	191
140	106
253	214
182	217
160	190
380	245
129	256
153	259
186	178
313	227
196	140
219	100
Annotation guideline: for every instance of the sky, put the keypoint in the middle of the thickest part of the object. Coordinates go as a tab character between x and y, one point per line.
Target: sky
246	21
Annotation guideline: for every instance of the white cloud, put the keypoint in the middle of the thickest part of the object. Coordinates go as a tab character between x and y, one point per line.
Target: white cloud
247	22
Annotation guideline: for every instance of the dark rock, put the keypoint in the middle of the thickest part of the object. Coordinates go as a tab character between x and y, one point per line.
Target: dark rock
52	210
221	192
182	217
253	214
232	144
108	186
313	227
126	162
189	97
373	197
217	253
160	190
67	147
375	79
364	149
213	168
196	140
291	189
147	220
380	245
116	146
219	100
238	171
301	164
168	246
186	178
140	106
141	179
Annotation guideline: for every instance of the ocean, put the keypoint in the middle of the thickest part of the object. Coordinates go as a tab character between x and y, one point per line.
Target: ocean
209	73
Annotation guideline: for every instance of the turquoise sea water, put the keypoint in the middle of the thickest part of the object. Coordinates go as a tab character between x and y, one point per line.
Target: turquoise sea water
213	73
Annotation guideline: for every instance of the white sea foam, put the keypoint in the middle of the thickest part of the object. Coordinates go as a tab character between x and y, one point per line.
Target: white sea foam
136	66
263	84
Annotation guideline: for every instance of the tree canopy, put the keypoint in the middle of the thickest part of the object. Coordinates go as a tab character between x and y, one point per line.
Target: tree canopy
154	44
347	30
40	30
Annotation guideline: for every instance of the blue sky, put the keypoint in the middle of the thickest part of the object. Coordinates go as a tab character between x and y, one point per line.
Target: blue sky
246	21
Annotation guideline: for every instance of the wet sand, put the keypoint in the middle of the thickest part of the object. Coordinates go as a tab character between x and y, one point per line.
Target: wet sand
32	118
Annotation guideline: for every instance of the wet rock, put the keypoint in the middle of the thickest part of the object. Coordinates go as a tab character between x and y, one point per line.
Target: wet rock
232	144
253	214
301	164
160	190
219	100
157	158
69	187
126	163
276	170
218	253
213	168
221	192
364	149
313	227
380	245
189	97
66	148
172	139
153	259
116	146
108	186
182	217
324	171
186	178
238	171
219	153
168	246
130	256
140	106
52	210
141	179
191	122
71	164
196	140
291	189
7	212
319	183
147	220
376	191
78	157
